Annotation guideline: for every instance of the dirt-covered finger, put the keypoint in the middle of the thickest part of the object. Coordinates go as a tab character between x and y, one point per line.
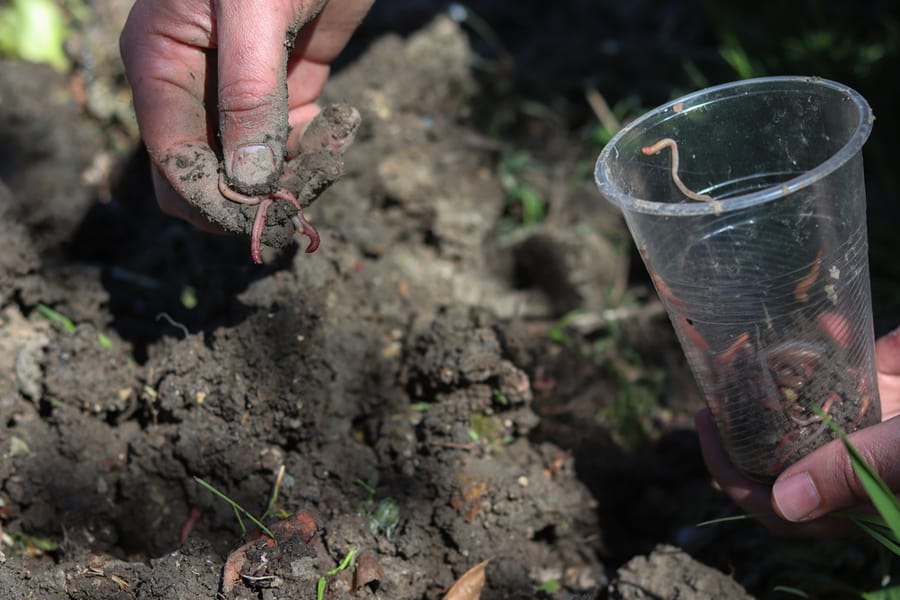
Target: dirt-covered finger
193	174
253	40
168	75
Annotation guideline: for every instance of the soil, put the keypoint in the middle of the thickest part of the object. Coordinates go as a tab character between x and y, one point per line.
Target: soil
438	388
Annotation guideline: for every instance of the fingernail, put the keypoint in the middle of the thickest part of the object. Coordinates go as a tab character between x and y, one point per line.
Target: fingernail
252	165
796	496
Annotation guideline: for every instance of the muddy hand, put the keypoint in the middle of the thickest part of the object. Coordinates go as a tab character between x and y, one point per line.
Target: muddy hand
246	73
823	481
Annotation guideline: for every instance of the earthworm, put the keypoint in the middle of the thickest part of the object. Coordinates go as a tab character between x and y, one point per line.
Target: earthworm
725	357
300	223
673	146
801	292
192	518
259	221
237	197
862	412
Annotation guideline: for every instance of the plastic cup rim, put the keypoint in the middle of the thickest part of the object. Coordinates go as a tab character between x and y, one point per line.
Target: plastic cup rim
631	204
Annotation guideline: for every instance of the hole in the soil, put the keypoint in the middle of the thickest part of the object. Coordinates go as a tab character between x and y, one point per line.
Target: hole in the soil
431	239
539	263
546	535
361	429
45	408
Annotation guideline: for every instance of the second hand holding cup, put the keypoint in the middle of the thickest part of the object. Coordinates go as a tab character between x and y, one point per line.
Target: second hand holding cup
761	258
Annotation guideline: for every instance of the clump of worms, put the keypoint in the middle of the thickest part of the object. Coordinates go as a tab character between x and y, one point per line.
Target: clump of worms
317	165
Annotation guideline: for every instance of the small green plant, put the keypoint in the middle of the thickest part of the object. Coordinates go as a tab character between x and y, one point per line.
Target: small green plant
524	204
385	518
68	324
559	333
369	486
56	317
630	414
238	510
551	586
500	398
734	53
323	580
25	543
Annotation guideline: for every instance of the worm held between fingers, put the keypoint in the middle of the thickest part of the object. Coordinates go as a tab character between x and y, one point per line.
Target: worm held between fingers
672	145
263	203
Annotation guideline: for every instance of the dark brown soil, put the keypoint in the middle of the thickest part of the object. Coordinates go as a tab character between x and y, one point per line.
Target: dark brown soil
415	378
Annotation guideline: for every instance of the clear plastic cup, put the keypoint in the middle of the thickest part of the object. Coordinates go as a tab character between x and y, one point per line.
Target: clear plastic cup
757	247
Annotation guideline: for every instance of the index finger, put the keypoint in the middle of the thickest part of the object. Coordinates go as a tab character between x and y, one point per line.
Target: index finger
168	77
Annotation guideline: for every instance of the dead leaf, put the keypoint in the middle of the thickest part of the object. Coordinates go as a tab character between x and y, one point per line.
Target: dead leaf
468	587
367	570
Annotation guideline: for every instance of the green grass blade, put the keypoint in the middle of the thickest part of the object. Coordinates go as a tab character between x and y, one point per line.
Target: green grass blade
57	317
323	580
791	591
879	535
891	593
879	493
344	563
237	515
726	519
237	508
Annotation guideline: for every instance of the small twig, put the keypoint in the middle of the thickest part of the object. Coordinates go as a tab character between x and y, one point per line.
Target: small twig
588	322
257	578
601	109
174	323
673	146
275	489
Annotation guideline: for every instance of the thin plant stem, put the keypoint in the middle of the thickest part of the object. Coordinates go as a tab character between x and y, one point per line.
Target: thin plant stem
237	509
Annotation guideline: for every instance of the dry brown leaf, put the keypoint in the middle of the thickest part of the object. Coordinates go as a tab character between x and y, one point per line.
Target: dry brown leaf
468	587
367	569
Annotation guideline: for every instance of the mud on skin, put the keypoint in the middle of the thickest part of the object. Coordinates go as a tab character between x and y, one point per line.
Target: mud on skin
317	165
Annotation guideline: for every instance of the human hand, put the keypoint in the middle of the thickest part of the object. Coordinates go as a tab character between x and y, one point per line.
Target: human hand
822	481
232	78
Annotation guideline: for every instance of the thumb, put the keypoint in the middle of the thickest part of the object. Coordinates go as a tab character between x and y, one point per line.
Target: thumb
824	481
252	39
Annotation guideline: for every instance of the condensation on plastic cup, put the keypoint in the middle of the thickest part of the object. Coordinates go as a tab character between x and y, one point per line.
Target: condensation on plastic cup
757	247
